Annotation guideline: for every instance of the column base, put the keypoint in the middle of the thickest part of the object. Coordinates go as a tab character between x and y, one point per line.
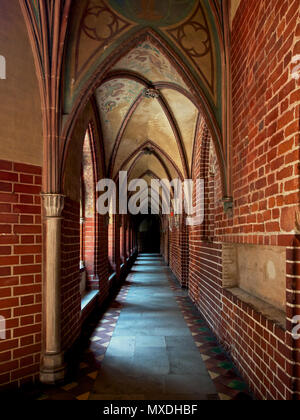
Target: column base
53	369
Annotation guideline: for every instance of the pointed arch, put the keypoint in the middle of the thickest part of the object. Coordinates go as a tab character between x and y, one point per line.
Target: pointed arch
158	152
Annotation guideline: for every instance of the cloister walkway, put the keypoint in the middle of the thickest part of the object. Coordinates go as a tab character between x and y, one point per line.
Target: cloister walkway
152	353
151	344
160	343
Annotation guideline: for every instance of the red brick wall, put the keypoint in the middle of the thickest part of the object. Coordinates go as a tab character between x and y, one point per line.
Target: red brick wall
114	245
261	349
94	232
122	241
265	122
117	244
265	171
179	252
265	37
205	269
70	273
20	272
128	240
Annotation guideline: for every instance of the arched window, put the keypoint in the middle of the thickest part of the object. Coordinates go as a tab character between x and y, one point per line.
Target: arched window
111	219
123	238
88	219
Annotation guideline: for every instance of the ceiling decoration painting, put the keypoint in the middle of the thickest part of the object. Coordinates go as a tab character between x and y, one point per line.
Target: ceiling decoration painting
194	38
186	28
157	13
114	99
116	94
153	67
147	60
99	26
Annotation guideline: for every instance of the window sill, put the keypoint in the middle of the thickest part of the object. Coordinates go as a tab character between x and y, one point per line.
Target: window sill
268	311
112	277
87	298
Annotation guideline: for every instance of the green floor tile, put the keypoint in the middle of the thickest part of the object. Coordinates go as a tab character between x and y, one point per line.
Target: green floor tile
238	385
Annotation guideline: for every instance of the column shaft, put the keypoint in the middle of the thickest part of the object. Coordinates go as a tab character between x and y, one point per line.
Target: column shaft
52	368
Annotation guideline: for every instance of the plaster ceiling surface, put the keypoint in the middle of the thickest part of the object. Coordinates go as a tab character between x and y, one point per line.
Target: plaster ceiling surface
167	164
148	164
149	122
186	115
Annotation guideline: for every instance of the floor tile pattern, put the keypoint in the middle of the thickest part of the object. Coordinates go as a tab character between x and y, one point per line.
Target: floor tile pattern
229	384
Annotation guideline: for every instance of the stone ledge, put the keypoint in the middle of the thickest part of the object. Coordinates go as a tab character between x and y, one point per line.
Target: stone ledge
268	311
112	277
87	298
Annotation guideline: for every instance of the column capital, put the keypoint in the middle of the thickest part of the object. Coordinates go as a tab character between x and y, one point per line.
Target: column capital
53	204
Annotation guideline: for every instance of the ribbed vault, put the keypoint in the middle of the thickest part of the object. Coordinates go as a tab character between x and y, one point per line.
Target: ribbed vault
148	118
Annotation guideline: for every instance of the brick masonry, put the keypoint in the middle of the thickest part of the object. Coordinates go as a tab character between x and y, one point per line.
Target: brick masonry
20	272
265	174
70	248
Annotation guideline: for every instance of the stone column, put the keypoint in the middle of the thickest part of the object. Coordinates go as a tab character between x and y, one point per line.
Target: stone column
52	365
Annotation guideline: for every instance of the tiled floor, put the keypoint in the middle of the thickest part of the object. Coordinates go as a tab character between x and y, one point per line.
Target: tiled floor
152	354
151	344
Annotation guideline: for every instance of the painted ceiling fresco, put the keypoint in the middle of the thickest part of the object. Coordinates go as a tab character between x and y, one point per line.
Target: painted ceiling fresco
158	12
195	40
114	99
147	60
188	27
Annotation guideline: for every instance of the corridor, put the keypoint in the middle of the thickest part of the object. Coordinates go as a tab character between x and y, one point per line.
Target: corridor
152	354
151	344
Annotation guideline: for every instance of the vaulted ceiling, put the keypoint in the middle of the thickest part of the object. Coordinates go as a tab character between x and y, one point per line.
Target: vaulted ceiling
155	70
147	130
153	67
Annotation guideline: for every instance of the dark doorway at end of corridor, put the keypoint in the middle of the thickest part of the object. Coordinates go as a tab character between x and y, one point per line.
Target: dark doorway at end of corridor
148	231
